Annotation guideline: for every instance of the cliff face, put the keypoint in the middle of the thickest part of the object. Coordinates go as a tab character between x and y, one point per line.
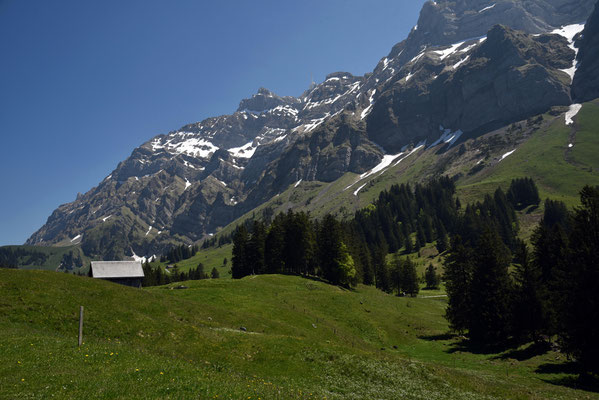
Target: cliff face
468	67
585	86
475	86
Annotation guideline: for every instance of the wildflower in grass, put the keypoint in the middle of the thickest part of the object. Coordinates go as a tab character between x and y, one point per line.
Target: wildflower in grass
161	373
22	379
136	369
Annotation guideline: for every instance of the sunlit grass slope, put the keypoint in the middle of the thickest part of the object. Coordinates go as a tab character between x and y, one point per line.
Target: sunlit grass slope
558	170
301	339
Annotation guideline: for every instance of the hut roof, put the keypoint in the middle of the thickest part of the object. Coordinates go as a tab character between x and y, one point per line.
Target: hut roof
117	269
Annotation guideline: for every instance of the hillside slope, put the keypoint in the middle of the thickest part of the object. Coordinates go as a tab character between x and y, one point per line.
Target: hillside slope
301	339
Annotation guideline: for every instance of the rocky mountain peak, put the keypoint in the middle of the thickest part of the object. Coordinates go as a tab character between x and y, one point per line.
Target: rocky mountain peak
445	22
265	100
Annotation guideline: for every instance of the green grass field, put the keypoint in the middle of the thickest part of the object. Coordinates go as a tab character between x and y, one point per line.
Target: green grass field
303	340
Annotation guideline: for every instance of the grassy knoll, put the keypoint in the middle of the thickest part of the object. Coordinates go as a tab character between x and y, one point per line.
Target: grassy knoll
303	339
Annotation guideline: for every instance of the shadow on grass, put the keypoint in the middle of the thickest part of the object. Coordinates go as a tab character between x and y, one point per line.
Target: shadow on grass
442	336
521	354
467	346
575	379
464	345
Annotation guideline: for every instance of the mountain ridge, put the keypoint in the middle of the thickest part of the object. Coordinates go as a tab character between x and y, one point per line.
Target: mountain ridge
181	186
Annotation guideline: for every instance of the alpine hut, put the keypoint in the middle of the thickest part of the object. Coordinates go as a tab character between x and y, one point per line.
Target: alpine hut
129	273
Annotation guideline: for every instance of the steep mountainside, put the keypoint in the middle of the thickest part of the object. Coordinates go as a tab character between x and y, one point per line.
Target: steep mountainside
586	82
458	74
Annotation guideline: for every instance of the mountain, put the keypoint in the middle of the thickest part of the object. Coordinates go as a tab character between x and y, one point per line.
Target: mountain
468	68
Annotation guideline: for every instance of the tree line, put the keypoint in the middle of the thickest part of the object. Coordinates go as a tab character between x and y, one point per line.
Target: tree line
13	257
402	220
179	253
156	277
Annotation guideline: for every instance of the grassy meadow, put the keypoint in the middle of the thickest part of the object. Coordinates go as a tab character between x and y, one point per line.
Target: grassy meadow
299	339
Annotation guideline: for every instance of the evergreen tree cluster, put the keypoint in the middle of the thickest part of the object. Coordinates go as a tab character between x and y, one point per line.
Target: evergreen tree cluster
405	217
156	277
404	276
428	211
351	252
219	241
552	290
294	244
523	193
494	213
179	253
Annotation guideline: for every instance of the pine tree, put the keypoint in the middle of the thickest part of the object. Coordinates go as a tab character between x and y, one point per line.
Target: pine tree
240	267
459	268
381	269
214	274
529	315
409	278
366	262
200	273
420	237
299	243
431	277
256	248
490	290
442	239
409	247
275	246
335	261
395	273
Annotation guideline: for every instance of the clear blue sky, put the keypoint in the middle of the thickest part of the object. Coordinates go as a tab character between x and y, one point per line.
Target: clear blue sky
82	83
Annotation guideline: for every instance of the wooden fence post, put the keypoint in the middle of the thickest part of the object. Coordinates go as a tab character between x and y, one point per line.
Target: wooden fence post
80	325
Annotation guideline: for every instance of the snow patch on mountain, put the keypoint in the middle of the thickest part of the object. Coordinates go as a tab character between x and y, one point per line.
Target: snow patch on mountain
443	54
569	32
360	188
457	65
195	147
385	162
509	153
368	109
447	137
245	151
571	113
487	8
